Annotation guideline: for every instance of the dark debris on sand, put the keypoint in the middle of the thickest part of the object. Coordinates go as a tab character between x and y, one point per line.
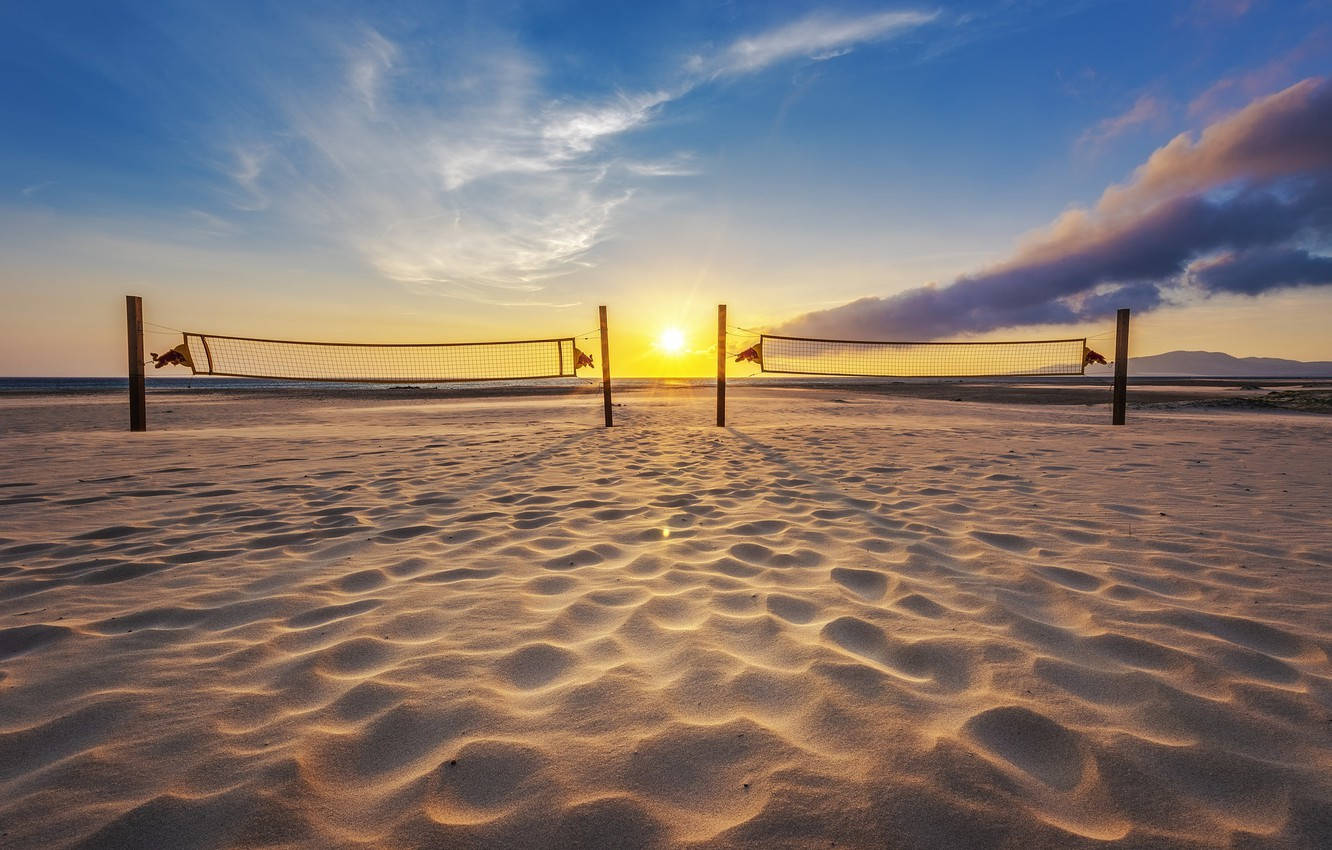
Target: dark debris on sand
1307	401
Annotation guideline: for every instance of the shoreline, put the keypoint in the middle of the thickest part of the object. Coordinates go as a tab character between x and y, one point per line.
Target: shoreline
1086	390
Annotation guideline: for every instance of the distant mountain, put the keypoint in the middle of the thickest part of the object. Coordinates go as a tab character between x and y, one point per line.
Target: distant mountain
1217	364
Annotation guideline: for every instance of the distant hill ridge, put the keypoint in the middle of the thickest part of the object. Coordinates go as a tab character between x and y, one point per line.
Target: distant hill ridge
1221	365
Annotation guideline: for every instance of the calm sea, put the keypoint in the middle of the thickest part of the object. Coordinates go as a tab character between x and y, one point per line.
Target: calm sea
196	384
54	386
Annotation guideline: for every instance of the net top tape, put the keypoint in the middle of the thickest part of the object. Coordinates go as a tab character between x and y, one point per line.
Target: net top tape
1082	340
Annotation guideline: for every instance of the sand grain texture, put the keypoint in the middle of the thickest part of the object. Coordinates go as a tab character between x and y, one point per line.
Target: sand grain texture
853	619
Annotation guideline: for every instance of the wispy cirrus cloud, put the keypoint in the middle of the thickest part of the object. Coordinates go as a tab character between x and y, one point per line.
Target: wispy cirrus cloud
819	36
1236	89
367	65
478	183
1147	109
680	165
245	169
479	188
1206	12
29	191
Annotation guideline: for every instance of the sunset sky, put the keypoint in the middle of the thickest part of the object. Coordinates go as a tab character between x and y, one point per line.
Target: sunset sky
490	170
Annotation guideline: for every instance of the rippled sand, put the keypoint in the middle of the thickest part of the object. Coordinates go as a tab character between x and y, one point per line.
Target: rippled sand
848	620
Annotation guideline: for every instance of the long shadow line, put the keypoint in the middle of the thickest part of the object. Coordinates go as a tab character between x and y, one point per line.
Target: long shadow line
480	485
477	486
776	457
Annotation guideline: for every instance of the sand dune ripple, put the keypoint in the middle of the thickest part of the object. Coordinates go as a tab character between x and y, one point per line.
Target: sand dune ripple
894	623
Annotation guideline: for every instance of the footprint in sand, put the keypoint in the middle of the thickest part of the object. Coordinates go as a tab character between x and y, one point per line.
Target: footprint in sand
1014	543
608	822
1074	579
483	779
361	581
536	665
1032	742
791	609
21	639
574	560
867	584
552	585
329	613
922	606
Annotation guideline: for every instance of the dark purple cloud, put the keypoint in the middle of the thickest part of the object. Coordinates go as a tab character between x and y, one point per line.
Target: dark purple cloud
1236	211
1269	268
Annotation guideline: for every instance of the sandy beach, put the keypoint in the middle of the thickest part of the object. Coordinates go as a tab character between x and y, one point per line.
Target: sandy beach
849	620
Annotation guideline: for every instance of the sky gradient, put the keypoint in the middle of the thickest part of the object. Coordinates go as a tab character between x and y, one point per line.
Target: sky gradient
469	171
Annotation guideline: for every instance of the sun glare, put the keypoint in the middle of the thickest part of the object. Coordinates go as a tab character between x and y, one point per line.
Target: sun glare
671	341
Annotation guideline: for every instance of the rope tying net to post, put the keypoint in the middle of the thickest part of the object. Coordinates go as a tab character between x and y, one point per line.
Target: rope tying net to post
861	358
243	357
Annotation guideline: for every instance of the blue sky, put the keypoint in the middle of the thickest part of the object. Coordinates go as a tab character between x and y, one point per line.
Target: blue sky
482	170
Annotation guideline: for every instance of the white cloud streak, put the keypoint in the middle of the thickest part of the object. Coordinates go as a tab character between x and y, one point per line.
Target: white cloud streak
475	183
817	37
1145	110
29	191
368	65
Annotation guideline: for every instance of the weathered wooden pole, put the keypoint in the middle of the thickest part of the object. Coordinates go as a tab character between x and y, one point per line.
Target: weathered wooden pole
605	368
721	365
138	398
1120	398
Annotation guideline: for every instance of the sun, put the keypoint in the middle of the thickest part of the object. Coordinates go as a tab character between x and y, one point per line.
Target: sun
671	340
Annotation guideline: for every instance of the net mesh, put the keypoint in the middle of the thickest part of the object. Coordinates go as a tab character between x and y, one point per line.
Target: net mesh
850	358
240	357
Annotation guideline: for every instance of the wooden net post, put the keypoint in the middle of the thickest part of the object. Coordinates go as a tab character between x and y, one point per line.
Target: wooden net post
605	368
721	365
138	398
1120	398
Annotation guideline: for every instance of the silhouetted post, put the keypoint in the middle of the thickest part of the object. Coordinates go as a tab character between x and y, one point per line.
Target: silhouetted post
1120	397
721	365
605	368
137	392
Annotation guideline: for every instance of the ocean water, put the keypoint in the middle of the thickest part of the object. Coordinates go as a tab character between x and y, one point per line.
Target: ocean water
57	385
106	385
199	384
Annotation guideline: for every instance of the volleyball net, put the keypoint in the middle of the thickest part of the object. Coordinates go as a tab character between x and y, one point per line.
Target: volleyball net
886	359
851	358
359	362
244	357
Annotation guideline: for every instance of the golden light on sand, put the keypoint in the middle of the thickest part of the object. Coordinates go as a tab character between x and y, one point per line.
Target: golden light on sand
671	341
706	627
